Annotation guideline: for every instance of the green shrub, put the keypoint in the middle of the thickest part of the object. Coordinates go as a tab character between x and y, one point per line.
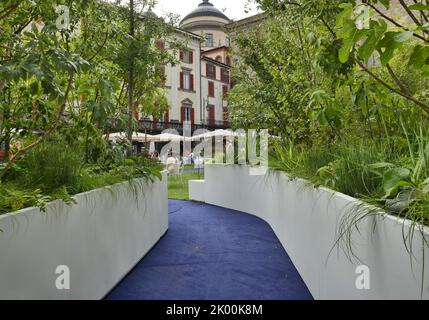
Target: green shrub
50	167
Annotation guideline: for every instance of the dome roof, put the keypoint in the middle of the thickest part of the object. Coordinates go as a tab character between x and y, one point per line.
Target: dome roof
205	9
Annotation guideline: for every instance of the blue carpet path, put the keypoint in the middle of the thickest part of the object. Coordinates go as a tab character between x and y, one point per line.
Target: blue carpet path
213	253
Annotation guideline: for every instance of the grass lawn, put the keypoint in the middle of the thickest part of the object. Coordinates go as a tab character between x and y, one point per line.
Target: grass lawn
178	185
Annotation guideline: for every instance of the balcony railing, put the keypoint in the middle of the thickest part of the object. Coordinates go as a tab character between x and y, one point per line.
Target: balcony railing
157	127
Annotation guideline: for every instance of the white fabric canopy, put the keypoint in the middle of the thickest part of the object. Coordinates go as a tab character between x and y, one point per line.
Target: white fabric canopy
137	136
165	137
170	137
216	133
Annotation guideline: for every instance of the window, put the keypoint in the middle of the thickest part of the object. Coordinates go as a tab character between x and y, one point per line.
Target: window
160	44
209	40
211	89
225	116
225	75
211	115
211	71
163	75
228	41
187	114
187	56
225	92
228	61
186	80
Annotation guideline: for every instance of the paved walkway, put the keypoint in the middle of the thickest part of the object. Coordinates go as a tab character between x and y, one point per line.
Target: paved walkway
212	253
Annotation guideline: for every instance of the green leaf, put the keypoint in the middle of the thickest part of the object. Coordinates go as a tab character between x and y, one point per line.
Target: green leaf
419	56
395	178
389	43
376	32
385	3
419	6
381	165
350	35
34	88
403	36
425	186
73	65
346	14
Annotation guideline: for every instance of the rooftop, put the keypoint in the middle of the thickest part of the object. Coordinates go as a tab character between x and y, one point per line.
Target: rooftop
205	9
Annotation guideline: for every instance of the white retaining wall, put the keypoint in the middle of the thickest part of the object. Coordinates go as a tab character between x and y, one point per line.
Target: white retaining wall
100	239
305	221
196	190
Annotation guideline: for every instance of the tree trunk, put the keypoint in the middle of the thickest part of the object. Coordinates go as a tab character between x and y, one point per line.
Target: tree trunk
131	79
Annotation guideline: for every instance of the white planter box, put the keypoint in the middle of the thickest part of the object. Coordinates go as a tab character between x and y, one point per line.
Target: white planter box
196	190
99	239
305	221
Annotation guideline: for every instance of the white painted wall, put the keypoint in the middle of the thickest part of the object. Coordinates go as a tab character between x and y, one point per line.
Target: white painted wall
203	25
305	221
196	190
100	239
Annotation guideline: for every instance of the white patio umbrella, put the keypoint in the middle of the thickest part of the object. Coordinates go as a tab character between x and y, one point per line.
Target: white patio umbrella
137	136
143	137
168	137
216	133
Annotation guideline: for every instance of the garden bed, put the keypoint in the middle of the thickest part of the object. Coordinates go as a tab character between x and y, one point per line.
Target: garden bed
99	239
306	220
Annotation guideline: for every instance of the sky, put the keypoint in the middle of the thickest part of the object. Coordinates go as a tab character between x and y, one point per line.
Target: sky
234	9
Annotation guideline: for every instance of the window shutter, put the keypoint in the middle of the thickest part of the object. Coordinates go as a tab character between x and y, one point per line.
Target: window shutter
207	69
211	89
191	79
182	114
225	91
225	117
181	55
160	44
191	57
211	116
192	116
181	80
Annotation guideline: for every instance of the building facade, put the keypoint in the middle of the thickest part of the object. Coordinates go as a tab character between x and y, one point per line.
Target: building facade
197	87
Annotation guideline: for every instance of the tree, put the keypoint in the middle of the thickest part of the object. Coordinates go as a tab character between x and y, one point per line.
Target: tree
283	62
64	69
367	29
